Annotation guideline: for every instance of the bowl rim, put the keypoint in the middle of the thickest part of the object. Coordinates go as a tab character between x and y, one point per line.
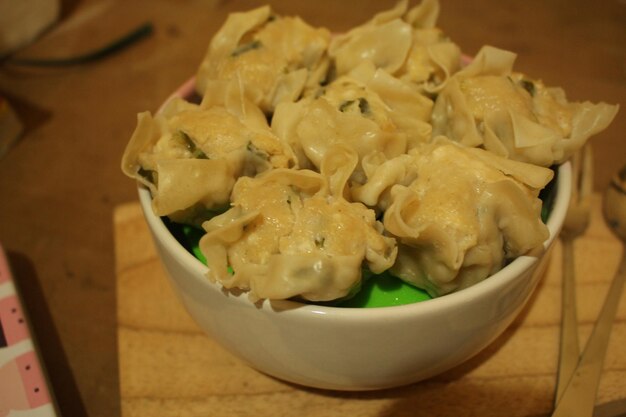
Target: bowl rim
490	284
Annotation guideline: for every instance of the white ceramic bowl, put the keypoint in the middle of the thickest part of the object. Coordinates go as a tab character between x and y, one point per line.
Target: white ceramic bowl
356	348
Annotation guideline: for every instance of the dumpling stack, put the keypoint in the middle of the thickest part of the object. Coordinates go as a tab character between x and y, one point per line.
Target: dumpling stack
312	157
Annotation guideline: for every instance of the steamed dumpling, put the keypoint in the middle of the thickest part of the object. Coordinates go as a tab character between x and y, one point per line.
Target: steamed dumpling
404	43
292	234
463	216
190	155
408	109
384	41
488	105
275	58
366	109
345	112
431	61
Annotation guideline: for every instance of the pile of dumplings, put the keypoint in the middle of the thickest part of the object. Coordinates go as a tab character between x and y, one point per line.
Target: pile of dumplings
312	157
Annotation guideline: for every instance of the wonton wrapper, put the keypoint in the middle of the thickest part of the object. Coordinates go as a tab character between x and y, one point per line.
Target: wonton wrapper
384	41
404	43
465	213
292	234
349	111
408	109
189	155
273	57
431	61
488	105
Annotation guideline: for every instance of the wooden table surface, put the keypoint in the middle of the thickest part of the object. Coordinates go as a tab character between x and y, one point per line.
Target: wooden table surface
60	184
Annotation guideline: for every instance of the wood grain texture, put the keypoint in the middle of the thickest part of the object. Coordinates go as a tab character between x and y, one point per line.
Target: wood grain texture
169	367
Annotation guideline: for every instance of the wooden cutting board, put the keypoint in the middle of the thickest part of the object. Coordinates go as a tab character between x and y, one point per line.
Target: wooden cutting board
169	367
